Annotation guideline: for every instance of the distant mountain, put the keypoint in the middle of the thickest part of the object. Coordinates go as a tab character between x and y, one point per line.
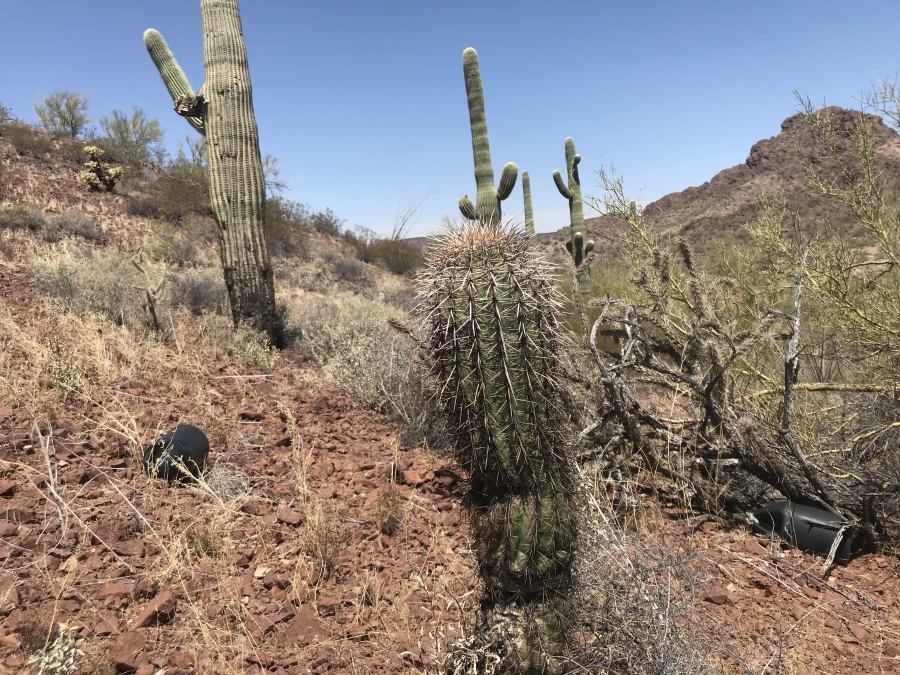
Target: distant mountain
729	200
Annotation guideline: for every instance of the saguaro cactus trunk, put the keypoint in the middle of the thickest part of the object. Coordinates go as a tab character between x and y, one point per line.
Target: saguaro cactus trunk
577	246
529	211
223	112
491	313
487	201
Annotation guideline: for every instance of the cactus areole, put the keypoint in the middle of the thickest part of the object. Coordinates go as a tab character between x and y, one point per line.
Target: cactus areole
486	208
223	112
496	344
577	246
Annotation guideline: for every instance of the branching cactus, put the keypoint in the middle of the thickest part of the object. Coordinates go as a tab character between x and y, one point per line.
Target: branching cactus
529	211
223	112
491	313
577	246
486	208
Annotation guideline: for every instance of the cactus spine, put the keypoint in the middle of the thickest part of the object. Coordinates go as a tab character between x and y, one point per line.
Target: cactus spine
487	201
496	343
577	246
223	112
529	212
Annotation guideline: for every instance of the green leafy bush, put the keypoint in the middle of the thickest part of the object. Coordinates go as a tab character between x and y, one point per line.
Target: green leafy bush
134	137
63	113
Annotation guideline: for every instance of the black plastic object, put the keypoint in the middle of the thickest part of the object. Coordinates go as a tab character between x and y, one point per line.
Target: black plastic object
185	445
810	529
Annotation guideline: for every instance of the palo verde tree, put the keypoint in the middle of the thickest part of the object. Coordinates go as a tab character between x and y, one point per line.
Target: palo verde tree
222	110
486	208
63	112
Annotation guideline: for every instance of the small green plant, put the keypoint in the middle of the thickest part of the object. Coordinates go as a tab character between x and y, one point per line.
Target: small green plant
97	176
63	112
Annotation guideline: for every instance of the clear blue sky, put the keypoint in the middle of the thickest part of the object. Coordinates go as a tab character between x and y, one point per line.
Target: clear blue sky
364	102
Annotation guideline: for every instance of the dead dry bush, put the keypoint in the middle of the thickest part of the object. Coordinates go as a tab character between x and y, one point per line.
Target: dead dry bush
370	359
389	511
219	335
78	223
200	291
324	538
27	140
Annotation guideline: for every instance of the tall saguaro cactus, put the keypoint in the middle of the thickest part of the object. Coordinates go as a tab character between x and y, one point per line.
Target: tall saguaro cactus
529	211
223	112
577	246
487	201
496	344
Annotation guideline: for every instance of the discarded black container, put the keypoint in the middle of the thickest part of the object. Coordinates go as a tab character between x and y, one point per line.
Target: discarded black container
186	445
810	529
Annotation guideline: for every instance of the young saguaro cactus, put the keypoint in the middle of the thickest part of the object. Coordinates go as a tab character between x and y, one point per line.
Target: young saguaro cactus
487	201
223	112
577	246
490	310
529	211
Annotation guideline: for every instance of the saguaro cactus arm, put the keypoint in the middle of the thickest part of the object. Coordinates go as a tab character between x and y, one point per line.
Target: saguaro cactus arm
488	198
172	74
529	211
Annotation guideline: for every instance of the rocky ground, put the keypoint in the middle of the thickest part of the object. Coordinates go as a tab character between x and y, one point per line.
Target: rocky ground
280	563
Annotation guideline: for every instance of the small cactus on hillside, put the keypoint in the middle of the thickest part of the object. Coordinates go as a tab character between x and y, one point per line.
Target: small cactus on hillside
97	176
577	246
496	343
487	201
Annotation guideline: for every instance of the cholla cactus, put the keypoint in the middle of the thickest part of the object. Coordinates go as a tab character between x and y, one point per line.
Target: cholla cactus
97	176
495	340
487	201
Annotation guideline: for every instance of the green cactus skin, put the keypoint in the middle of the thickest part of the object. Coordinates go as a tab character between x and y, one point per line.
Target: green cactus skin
223	112
529	212
577	246
490	310
487	201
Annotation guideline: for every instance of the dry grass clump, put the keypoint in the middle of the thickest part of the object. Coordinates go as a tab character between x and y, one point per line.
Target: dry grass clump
78	223
324	537
389	512
200	291
374	362
202	540
102	283
220	335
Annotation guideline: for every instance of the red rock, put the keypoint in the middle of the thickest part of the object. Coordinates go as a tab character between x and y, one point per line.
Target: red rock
412	477
5	412
305	629
112	590
158	611
717	595
14	661
8	529
126	649
858	631
181	660
290	516
260	659
131	547
105	628
9	595
7	488
893	651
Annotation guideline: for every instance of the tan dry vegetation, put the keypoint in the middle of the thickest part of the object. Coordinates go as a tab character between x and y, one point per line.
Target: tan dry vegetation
316	541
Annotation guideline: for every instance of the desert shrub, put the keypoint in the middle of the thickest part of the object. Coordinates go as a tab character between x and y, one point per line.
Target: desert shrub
28	141
77	222
175	244
71	150
398	256
5	114
144	207
63	112
103	284
351	272
219	334
134	137
200	291
326	222
181	191
22	218
363	241
371	360
286	228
